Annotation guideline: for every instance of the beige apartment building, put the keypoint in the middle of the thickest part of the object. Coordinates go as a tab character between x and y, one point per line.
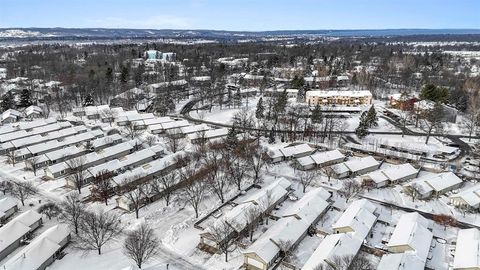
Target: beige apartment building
346	98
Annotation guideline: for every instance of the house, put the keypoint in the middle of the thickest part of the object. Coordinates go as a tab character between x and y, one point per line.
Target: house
42	251
434	184
194	129
8	207
334	97
354	167
40	130
107	141
10	116
148	170
236	218
287	232
92	159
18	229
167	126
402	101
286	153
350	230
33	112
424	106
469	198
410	243
26	125
320	160
391	175
207	135
467	250
291	93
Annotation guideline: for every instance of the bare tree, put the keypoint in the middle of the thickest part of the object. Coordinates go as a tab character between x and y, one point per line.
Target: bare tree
350	189
411	191
12	156
72	210
257	159
194	190
306	179
79	172
174	141
222	233
102	186
141	244
23	190
50	209
133	130
164	185
432	120
234	166
150	140
32	164
107	116
471	120
135	196
98	228
251	215
328	172
5	186
216	181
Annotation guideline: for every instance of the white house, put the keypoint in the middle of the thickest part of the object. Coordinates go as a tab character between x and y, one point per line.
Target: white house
354	167
272	194
42	251
390	175
286	153
410	242
467	250
10	116
8	207
469	197
33	112
435	184
350	230
289	230
16	230
320	159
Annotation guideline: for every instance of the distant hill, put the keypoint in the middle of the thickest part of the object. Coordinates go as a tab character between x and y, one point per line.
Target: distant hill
102	33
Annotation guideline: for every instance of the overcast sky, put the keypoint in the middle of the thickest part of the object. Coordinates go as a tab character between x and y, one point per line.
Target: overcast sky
251	15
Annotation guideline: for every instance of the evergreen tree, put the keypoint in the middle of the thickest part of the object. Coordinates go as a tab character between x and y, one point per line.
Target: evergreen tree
372	118
231	139
25	99
88	101
271	136
7	101
362	130
281	103
317	114
260	109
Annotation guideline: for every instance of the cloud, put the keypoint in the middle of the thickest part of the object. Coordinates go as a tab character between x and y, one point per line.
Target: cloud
154	22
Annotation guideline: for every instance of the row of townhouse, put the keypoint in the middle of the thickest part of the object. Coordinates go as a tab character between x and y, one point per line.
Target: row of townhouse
350	230
288	231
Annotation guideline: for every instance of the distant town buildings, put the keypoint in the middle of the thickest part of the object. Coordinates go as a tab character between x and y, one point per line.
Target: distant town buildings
153	55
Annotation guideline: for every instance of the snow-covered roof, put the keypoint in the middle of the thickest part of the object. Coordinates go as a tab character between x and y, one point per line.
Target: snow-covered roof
209	134
400	261
323	157
58	154
7	203
123	162
169	125
296	150
237	216
106	140
17	227
356	165
358	217
435	182
33	110
290	228
392	173
10	113
147	169
193	129
40	250
338	94
24	125
471	195
412	230
331	247
467	250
